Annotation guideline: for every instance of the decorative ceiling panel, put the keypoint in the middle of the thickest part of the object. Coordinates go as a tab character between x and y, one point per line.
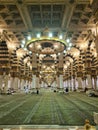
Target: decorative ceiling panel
66	16
46	15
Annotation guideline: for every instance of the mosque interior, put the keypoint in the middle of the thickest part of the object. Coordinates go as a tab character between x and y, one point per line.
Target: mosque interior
49	45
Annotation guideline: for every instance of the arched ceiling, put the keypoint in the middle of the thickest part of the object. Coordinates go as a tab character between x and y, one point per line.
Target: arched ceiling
22	19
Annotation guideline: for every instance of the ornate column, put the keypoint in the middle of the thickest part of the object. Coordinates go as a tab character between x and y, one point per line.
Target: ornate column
67	75
94	72
80	73
22	84
6	79
84	79
88	66
74	75
79	80
96	46
61	81
89	81
54	84
97	77
15	85
70	77
15	71
96	41
19	84
42	84
1	77
72	83
64	83
9	80
37	82
34	81
57	81
4	66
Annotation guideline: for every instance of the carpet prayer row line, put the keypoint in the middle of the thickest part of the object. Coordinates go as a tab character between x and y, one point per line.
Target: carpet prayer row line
47	108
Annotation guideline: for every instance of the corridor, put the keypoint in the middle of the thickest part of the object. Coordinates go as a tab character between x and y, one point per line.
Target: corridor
47	108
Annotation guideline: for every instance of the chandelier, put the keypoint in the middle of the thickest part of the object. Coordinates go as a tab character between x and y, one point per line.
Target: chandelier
46	45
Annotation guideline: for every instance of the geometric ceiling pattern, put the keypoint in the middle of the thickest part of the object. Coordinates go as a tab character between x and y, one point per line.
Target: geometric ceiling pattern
71	17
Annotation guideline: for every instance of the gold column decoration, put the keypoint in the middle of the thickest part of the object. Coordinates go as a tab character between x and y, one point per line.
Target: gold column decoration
88	60
26	68
83	61
22	69
15	71
79	62
94	70
30	72
97	67
74	53
67	71
73	70
83	48
4	58
20	54
15	66
27	72
80	67
93	67
12	47
4	66
74	74
84	70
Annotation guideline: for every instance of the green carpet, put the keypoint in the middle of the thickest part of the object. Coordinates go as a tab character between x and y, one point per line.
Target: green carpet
47	108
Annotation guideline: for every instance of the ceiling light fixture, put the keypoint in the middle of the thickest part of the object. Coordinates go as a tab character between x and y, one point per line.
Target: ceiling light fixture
68	40
64	51
68	48
29	37
60	37
22	45
50	35
46	43
25	49
70	44
38	35
58	54
23	41
30	52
